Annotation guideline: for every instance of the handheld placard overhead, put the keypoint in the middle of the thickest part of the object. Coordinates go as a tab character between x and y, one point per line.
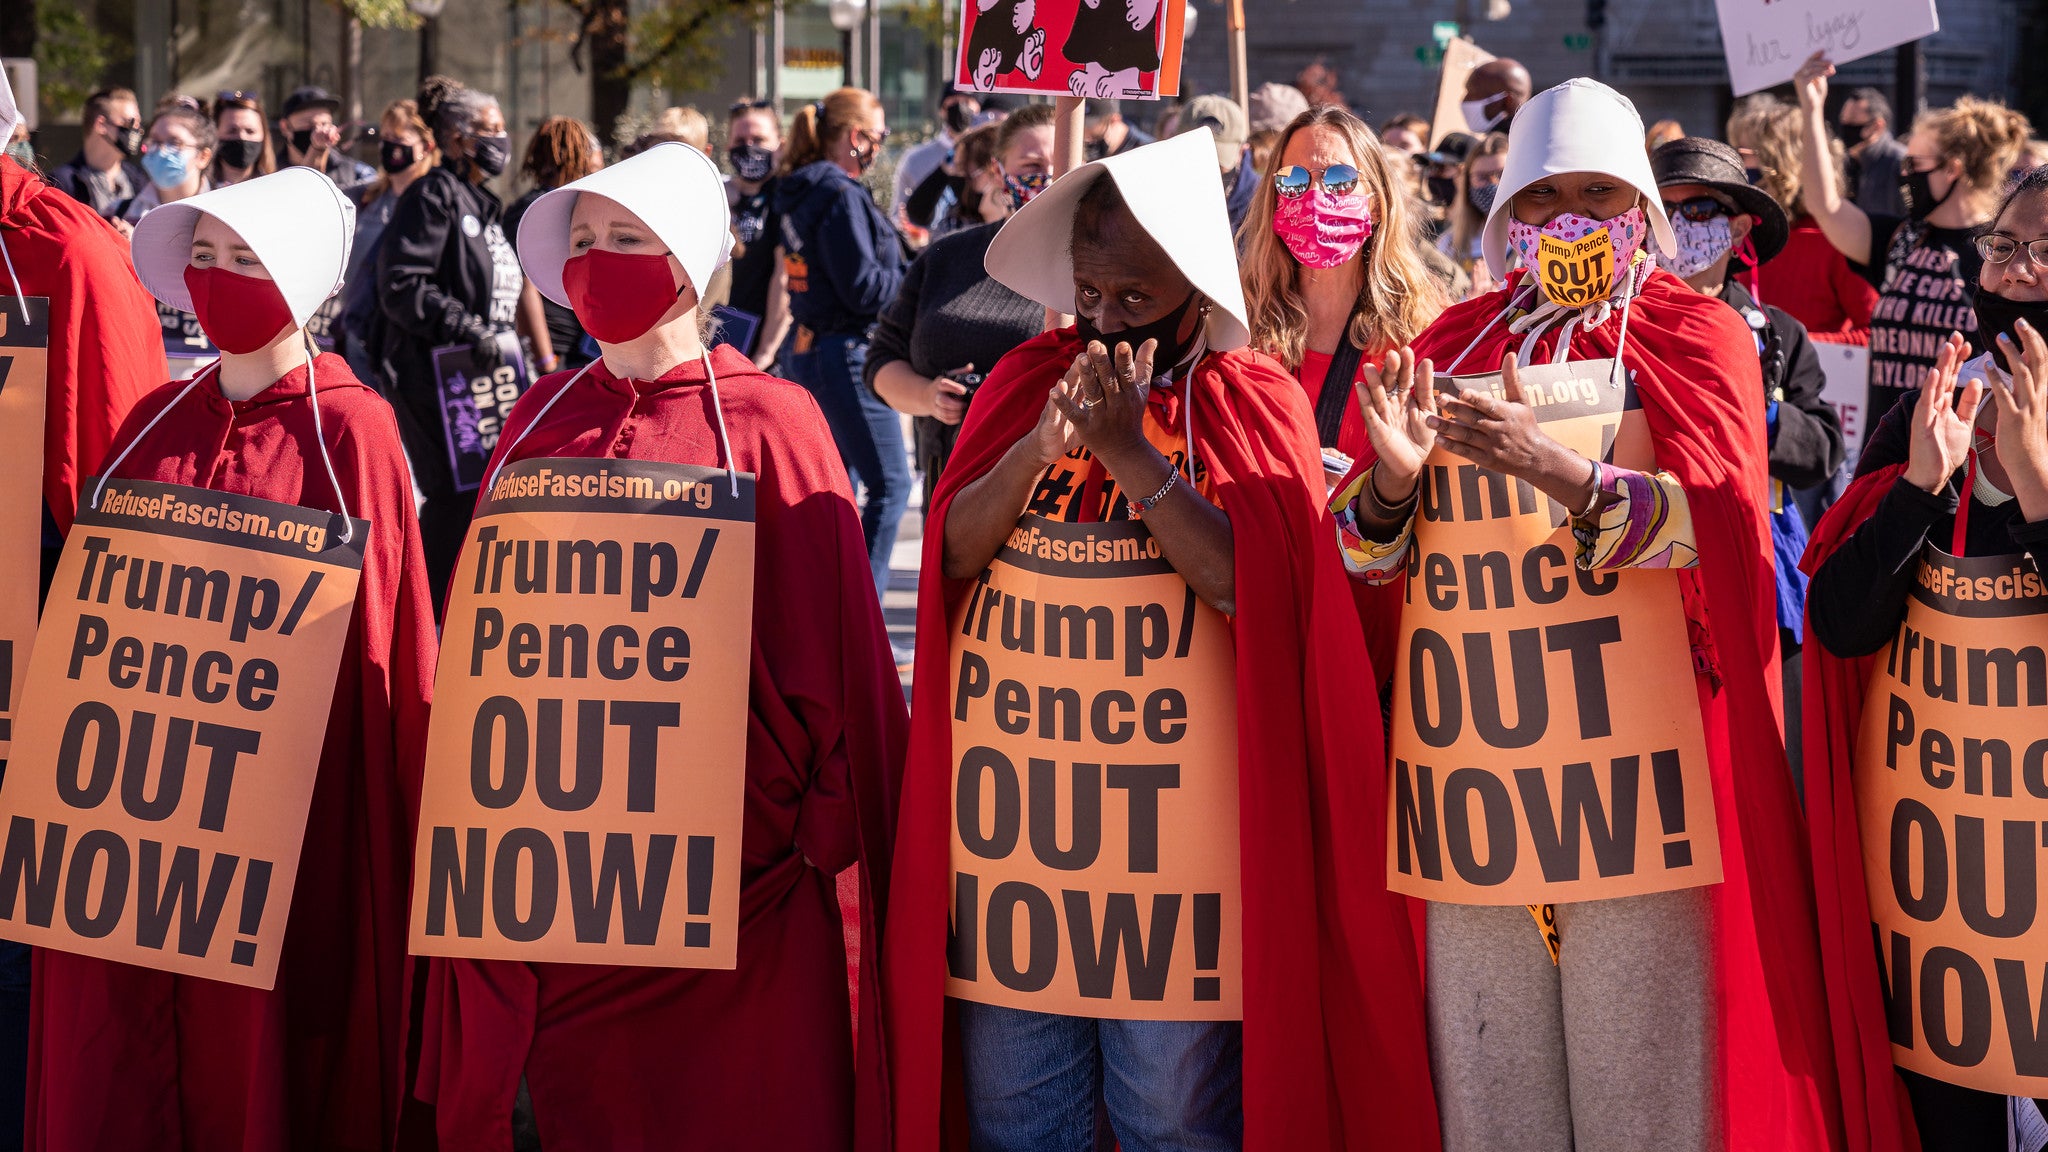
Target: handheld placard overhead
1174	190
673	188
296	221
1581	125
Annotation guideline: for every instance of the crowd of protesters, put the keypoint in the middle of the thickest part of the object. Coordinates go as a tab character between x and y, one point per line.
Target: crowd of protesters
1234	325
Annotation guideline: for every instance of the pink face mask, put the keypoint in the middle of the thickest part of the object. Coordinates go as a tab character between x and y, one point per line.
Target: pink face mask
1321	230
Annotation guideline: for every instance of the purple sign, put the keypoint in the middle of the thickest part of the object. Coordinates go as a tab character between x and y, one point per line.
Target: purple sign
474	403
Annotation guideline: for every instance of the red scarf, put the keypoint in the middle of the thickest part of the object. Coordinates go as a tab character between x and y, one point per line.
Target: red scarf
1335	1053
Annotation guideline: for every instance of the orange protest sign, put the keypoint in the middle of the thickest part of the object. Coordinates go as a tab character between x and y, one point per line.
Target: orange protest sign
177	704
24	364
586	759
1094	846
1951	778
1547	744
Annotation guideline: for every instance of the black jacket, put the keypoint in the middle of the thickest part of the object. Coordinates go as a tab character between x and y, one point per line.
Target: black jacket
71	178
434	276
1806	436
846	259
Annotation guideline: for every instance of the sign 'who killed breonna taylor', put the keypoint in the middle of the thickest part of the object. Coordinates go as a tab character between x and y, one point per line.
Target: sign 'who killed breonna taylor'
177	705
1951	778
24	361
1095	833
586	760
1546	736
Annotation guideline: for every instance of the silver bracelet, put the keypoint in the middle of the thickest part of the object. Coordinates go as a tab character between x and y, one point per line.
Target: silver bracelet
1592	504
1140	507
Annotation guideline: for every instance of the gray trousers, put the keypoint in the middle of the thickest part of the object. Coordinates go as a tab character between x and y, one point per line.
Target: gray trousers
1609	1050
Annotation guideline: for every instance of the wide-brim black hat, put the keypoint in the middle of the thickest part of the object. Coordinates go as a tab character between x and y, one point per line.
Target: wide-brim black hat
1712	164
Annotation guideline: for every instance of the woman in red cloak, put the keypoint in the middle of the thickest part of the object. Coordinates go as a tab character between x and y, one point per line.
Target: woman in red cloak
1219	457
637	1059
1690	1018
123	1057
1966	475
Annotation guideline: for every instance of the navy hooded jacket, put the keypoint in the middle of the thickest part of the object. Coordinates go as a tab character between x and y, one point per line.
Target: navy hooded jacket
845	261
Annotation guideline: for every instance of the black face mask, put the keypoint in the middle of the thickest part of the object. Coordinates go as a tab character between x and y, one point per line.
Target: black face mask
240	154
1917	190
1850	134
1442	190
751	162
126	137
397	157
1997	314
959	117
1166	358
491	153
1481	197
1095	149
302	141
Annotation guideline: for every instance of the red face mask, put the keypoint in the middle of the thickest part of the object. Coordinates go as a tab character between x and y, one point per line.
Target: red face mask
618	296
240	313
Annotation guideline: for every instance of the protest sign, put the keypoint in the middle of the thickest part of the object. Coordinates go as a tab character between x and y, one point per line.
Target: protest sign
1461	56
1094	860
474	404
187	347
323	327
166	750
1951	777
737	328
24	393
602	614
1104	49
1767	40
1547	744
1846	385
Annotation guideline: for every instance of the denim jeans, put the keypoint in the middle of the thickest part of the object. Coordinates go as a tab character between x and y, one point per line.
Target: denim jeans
1037	1082
869	434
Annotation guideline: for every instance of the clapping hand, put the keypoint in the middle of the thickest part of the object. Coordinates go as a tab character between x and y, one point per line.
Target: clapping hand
2023	418
1104	399
1398	401
1941	424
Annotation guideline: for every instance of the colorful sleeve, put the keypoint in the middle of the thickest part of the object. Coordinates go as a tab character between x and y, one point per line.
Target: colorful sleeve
1643	522
1366	559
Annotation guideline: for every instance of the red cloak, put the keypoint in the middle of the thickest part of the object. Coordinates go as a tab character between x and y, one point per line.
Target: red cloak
1875	1110
1335	1054
124	1058
626	1058
106	348
1696	372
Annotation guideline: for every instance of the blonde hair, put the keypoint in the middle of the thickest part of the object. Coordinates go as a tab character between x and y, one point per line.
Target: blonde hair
815	126
1984	134
1466	222
687	123
1400	294
1775	130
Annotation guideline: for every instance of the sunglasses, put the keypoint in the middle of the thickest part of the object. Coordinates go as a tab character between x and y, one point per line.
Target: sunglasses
1998	249
739	106
238	96
1699	209
1294	180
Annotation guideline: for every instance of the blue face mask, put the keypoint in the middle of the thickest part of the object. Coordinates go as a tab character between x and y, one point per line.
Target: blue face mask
167	166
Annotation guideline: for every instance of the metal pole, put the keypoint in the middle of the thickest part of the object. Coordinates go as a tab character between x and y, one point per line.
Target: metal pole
1240	82
873	72
757	79
846	58
775	50
1909	84
152	41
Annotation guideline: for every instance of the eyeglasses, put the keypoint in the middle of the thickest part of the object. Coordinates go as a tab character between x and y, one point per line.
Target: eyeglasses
1998	249
1699	209
238	96
739	107
1294	180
